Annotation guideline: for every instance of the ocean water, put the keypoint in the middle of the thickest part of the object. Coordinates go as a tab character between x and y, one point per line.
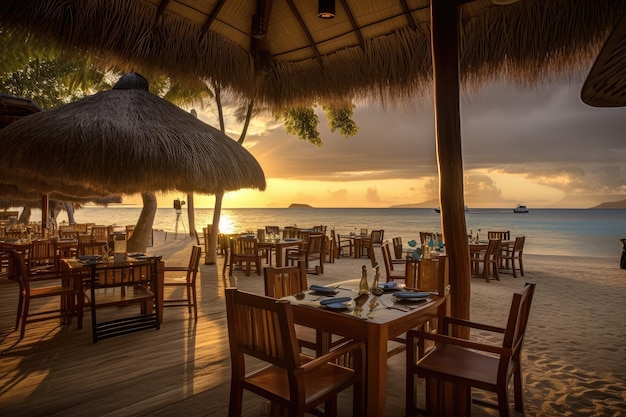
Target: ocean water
570	232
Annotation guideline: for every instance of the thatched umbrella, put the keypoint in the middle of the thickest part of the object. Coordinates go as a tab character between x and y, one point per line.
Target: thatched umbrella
13	108
605	85
125	140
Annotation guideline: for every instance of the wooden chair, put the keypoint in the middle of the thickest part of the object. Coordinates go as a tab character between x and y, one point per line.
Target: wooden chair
502	235
100	234
398	251
42	256
272	230
471	364
263	328
127	284
65	285
314	250
245	250
345	244
489	259
374	239
186	281
514	254
426	237
93	248
392	273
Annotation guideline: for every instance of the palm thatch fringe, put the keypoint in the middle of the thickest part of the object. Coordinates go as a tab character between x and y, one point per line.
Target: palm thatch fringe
526	42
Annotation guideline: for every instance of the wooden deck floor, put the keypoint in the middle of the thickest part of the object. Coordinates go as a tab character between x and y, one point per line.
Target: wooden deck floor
58	370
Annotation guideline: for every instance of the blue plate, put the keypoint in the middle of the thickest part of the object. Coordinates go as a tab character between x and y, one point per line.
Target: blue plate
409	295
323	290
291	239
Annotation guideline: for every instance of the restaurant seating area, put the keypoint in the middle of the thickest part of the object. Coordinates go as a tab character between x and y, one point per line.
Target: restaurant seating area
145	315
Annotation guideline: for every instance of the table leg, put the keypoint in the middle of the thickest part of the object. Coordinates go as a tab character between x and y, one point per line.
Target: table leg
279	256
376	358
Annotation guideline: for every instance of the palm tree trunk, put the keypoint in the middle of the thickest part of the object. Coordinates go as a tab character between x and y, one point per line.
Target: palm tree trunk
143	230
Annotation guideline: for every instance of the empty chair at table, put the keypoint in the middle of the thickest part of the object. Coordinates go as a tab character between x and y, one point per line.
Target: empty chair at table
42	256
100	233
393	272
313	252
514	254
245	250
66	286
488	259
499	234
345	245
375	239
292	381
398	250
272	230
470	364
184	277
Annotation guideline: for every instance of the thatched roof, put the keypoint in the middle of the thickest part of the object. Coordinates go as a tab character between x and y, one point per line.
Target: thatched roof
371	48
606	83
123	141
14	108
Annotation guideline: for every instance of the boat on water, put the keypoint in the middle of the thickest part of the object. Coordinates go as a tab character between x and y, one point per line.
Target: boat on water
520	208
438	209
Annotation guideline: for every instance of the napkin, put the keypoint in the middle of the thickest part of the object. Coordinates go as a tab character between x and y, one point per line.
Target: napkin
321	288
338	300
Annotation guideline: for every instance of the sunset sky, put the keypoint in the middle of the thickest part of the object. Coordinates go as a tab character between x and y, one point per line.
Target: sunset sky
543	148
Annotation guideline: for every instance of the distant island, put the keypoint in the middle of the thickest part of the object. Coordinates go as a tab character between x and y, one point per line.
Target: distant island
611	205
299	205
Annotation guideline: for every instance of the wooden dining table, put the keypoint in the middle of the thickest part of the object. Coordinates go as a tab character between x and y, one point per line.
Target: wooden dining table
76	263
279	246
370	321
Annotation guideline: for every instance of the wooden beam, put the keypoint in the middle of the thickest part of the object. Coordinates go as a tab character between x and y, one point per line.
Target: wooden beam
304	28
211	18
409	16
160	9
354	24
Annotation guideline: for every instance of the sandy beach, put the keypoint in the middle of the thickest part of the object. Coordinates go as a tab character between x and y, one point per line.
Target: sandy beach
573	354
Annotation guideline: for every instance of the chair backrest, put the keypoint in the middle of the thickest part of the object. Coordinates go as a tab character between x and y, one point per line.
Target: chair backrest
493	249
425	237
397	247
244	246
518	247
286	280
518	320
272	230
315	244
387	258
376	236
502	235
93	248
194	262
320	228
100	233
261	327
291	232
364	232
68	234
42	252
433	275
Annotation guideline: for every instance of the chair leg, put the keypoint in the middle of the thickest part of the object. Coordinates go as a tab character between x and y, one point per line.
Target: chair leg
24	315
503	402
189	299
521	266
330	407
518	392
20	306
195	302
236	400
